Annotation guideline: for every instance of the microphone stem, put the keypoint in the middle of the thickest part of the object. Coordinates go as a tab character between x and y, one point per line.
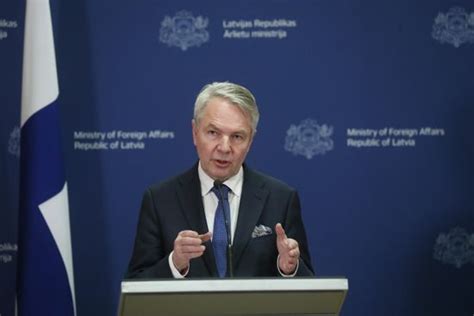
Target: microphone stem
229	260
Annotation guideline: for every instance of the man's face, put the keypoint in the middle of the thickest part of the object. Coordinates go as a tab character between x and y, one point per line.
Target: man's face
222	137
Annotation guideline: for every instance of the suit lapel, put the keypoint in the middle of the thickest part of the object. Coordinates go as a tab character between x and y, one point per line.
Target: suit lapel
252	202
190	199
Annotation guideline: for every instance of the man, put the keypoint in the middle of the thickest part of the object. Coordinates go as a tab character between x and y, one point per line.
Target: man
221	218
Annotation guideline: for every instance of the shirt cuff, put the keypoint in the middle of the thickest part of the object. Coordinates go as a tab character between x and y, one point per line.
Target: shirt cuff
174	270
287	275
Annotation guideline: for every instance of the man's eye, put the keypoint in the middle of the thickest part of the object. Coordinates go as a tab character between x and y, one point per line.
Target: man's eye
211	132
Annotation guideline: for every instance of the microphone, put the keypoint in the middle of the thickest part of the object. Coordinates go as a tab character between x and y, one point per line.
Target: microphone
230	268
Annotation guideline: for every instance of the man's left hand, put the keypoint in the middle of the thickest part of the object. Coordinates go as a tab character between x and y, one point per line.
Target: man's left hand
288	250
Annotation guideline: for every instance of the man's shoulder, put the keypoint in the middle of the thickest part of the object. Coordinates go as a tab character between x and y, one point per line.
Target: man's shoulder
259	178
174	181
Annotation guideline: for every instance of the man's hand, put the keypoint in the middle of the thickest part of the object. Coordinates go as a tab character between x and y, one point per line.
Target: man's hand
188	245
288	250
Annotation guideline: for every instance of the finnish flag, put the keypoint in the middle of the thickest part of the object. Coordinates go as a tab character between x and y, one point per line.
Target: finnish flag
45	266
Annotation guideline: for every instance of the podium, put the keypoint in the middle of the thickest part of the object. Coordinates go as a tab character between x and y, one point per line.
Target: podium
235	297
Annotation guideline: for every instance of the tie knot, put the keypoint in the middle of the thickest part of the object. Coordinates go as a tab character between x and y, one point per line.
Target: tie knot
221	191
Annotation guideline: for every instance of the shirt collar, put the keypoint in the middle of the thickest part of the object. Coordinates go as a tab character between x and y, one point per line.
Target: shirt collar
234	183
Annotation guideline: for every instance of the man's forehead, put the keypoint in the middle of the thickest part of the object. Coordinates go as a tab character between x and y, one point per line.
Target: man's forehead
227	114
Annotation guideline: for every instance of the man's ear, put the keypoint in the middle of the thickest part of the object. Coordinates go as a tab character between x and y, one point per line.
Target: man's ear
251	141
194	131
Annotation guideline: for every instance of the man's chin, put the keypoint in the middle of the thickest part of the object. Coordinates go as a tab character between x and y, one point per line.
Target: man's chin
221	178
220	175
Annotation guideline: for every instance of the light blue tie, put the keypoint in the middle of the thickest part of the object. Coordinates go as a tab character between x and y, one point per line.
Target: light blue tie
220	234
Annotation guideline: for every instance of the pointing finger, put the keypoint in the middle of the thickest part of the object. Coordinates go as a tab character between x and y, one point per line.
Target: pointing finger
280	231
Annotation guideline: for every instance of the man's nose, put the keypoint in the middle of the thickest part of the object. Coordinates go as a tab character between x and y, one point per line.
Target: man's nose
224	144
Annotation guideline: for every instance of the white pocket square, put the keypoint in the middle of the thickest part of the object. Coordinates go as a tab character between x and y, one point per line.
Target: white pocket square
261	230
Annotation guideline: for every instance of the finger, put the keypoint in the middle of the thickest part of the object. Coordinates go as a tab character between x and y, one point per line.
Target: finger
282	243
295	253
286	243
188	233
191	249
205	237
280	231
292	244
291	263
189	241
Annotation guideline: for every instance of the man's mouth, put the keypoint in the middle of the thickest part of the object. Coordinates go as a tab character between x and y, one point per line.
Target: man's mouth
222	163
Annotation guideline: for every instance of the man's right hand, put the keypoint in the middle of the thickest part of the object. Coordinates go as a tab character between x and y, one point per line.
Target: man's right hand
188	245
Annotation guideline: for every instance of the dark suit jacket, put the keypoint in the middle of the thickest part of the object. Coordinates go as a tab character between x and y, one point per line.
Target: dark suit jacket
176	205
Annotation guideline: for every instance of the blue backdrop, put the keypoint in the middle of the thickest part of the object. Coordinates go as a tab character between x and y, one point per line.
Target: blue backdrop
366	108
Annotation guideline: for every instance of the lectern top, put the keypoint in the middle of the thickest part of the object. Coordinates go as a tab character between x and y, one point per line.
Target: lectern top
238	285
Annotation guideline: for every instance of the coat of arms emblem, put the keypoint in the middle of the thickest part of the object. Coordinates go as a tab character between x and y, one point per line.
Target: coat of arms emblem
455	247
309	139
184	30
455	27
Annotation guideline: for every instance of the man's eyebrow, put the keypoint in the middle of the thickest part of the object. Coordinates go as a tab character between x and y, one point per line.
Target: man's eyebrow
211	125
240	131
